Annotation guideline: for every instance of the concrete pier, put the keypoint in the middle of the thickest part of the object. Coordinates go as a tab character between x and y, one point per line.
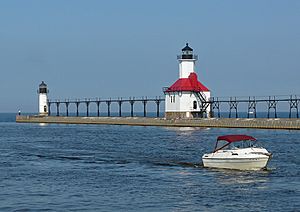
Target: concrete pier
260	123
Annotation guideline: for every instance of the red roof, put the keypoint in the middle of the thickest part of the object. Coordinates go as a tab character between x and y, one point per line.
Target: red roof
188	84
234	138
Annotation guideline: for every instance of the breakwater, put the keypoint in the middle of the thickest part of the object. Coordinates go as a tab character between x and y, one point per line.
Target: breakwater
260	123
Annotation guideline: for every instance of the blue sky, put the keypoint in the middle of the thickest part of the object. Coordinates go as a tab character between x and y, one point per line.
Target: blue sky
128	48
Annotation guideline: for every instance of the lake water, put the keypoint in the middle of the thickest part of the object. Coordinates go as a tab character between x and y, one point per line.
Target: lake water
126	168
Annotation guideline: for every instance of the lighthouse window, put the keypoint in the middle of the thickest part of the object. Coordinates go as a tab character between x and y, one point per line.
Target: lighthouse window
43	90
195	104
172	98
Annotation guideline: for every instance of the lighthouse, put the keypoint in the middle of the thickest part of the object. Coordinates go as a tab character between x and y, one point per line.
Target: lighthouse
187	97
43	99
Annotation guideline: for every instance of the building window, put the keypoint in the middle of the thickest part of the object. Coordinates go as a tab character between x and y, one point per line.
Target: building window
195	105
172	98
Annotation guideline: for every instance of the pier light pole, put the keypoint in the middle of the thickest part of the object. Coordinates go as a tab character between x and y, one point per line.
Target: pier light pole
251	106
98	107
67	107
87	102
294	105
145	105
120	106
108	107
272	105
216	105
49	107
57	108
233	104
157	101
77	106
131	106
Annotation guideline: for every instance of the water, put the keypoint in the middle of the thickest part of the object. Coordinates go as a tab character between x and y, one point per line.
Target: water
126	168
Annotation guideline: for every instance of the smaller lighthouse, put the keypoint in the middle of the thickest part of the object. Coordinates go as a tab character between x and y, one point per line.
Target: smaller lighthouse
43	99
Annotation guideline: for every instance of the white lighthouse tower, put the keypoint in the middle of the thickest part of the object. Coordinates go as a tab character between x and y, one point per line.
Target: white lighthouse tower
43	99
187	97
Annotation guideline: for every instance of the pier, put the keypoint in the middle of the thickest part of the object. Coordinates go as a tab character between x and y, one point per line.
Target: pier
258	123
231	106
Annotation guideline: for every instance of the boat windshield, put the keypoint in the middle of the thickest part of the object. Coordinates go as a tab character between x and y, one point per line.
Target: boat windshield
224	145
243	144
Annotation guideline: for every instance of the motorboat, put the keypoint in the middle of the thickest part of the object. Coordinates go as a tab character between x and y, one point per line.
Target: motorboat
240	152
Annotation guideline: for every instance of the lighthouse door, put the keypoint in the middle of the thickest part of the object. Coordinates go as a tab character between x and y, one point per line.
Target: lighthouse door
45	108
195	105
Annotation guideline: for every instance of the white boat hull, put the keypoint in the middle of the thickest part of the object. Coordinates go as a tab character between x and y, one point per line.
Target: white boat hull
240	164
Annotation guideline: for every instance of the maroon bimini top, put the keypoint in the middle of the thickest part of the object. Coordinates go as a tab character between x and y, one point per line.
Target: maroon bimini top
234	138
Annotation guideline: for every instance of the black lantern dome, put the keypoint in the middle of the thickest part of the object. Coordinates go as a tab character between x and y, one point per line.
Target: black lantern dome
187	53
187	48
43	88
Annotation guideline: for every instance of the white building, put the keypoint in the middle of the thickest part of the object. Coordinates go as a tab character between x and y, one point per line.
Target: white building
43	99
187	97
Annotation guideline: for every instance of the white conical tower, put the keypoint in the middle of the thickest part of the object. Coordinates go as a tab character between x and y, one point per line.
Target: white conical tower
43	99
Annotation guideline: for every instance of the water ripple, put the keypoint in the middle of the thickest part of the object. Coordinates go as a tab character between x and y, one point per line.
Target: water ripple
123	168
